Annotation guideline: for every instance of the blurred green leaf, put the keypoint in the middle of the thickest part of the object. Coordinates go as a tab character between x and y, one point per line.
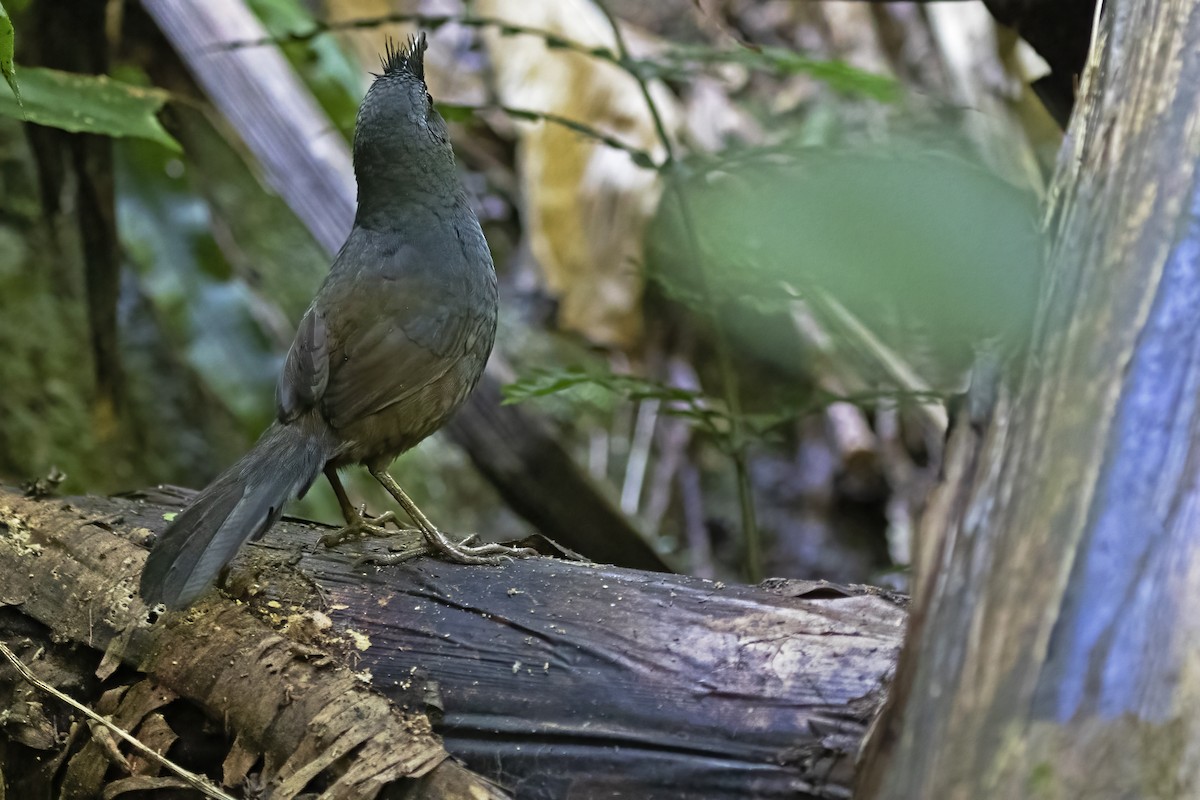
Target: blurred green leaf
89	104
212	318
745	286
7	40
676	289
931	252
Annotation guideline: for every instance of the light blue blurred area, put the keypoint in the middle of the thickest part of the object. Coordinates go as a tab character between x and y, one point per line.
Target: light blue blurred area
166	230
934	254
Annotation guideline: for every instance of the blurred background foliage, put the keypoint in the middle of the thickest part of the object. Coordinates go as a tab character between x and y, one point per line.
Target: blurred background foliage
748	252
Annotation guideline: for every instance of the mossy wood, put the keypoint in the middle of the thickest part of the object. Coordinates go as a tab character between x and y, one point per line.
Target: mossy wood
552	678
1053	645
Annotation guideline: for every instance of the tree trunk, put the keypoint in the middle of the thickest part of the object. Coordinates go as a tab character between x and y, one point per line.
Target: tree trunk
1052	645
552	678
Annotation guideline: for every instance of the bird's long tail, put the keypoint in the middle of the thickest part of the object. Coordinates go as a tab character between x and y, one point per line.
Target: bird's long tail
238	506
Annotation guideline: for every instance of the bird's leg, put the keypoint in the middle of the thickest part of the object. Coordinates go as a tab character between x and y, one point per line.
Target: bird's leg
437	542
358	524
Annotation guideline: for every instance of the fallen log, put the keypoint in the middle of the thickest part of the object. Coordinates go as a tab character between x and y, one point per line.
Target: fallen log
551	678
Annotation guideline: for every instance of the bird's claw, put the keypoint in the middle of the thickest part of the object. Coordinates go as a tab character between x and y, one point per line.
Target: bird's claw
362	525
462	552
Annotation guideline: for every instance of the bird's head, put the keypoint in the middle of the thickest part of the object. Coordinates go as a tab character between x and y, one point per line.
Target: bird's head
401	143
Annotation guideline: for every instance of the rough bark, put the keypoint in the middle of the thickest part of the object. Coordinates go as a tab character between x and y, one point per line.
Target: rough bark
1052	645
286	701
552	678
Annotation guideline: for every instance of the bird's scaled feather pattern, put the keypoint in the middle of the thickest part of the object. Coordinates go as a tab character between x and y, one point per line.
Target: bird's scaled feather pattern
394	341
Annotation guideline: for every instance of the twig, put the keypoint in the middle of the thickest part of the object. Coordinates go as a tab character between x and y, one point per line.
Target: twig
897	370
639	156
675	436
691	500
732	395
430	21
625	63
639	456
729	377
838	75
197	782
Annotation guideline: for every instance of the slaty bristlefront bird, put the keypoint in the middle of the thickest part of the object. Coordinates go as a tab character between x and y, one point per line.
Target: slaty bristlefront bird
394	341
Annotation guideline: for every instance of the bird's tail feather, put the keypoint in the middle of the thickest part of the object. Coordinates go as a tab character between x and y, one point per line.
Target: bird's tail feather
238	506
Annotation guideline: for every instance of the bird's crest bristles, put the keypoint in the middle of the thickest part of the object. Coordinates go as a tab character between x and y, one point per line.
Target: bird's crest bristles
410	58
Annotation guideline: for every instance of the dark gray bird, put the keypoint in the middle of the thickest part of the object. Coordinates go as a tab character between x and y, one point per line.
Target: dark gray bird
393	343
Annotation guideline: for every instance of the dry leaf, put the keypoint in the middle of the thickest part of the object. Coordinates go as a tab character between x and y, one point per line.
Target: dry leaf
586	205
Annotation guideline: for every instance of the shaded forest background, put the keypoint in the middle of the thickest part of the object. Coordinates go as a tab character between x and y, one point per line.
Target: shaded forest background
746	252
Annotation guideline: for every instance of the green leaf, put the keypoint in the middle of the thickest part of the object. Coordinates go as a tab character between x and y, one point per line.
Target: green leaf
544	382
703	412
89	104
7	41
838	74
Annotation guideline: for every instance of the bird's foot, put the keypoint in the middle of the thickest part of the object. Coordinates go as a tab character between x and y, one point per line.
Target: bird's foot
437	543
360	525
465	552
